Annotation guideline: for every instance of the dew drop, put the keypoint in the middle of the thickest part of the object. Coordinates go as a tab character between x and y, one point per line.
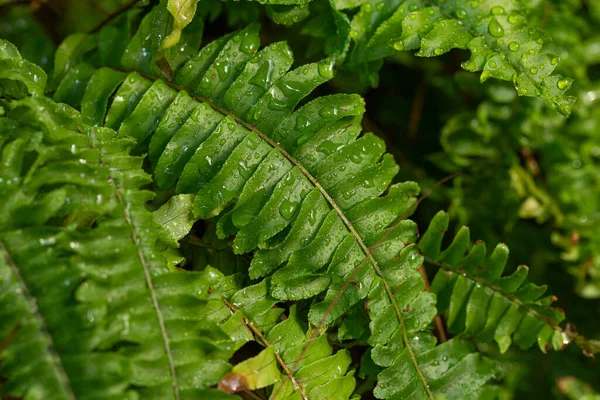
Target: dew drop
250	44
563	83
325	69
257	114
498	10
513	18
348	194
514	46
286	209
461	13
49	241
495	29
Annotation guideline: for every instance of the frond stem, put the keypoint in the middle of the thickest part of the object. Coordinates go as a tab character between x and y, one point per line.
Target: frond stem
264	340
496	289
36	313
147	276
327	197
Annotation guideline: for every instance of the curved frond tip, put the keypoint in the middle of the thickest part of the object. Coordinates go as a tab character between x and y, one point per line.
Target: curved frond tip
479	302
496	32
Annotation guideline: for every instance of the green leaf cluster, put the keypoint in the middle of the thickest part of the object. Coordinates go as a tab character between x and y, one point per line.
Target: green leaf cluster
193	212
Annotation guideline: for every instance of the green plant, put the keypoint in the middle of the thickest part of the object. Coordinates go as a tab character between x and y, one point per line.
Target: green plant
186	214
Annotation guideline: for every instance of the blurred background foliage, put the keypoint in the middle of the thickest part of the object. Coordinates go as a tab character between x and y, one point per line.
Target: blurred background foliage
524	174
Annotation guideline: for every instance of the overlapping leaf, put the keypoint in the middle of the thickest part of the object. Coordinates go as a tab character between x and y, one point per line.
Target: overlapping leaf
285	363
90	308
294	185
284	177
496	33
482	303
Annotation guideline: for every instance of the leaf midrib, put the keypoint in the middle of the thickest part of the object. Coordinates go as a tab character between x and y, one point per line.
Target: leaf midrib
33	307
327	197
499	290
147	276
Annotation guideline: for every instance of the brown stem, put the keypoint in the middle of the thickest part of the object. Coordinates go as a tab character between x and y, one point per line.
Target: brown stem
416	111
264	340
114	15
532	163
9	337
439	324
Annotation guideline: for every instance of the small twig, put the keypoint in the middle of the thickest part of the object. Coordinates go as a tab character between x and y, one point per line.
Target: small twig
5	342
114	15
98	7
264	340
416	110
531	161
439	325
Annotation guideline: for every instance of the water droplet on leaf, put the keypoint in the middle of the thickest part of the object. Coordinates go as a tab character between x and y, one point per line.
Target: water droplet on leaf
495	29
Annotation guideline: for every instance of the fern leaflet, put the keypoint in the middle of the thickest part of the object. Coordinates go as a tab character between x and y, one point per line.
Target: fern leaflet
496	33
481	303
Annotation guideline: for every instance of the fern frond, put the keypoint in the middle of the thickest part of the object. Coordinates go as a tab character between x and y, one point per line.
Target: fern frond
86	285
312	374
48	339
128	286
18	77
298	187
233	139
496	33
483	304
413	367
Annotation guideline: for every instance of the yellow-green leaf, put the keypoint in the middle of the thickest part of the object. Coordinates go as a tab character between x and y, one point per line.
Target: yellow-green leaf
182	11
254	373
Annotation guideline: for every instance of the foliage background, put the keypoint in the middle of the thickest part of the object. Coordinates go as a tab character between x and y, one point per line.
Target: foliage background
528	176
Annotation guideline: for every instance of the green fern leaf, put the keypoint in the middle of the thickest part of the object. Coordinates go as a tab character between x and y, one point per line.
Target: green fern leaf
316	373
83	282
48	339
19	77
496	33
299	188
482	303
232	158
413	367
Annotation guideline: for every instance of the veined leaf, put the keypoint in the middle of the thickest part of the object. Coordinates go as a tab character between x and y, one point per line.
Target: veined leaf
183	12
496	33
299	188
482	303
234	140
89	306
232	135
305	373
16	72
